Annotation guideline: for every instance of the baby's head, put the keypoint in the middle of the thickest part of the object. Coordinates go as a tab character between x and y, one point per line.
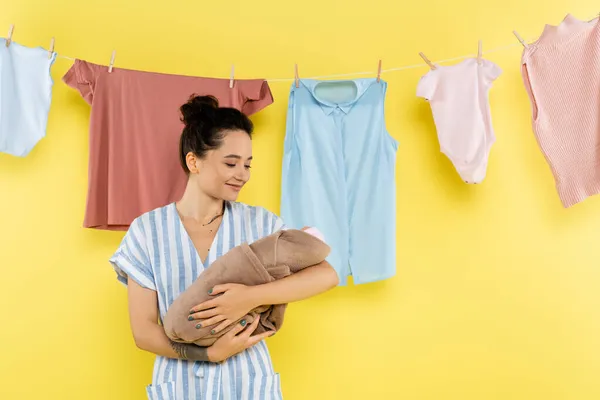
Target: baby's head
314	231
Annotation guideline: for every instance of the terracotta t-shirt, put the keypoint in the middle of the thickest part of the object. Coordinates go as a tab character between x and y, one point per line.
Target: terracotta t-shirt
135	127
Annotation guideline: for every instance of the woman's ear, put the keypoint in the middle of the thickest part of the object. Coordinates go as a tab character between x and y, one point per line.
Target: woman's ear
192	162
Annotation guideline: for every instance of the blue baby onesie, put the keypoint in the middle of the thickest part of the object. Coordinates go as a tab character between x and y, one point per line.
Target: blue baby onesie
25	96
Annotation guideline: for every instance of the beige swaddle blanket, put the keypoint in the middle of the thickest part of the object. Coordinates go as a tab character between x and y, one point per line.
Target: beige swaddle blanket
270	258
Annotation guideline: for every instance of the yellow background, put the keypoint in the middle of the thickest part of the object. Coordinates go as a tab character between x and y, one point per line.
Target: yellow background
496	293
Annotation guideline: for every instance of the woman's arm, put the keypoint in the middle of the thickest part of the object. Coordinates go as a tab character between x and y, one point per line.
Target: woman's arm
236	300
148	334
303	284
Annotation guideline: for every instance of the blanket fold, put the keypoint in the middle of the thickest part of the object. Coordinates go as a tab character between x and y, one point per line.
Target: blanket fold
271	258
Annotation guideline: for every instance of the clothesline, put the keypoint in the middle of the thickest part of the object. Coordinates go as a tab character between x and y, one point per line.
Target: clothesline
395	69
382	71
402	68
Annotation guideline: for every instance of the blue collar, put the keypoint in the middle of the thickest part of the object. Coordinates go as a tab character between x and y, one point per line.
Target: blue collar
328	107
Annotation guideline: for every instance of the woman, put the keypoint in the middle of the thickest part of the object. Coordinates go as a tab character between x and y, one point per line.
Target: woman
166	249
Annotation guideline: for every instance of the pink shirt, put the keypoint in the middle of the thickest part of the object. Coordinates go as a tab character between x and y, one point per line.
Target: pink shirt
135	127
561	72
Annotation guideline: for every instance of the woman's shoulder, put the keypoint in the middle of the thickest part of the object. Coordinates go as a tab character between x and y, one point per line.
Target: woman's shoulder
250	210
265	219
144	221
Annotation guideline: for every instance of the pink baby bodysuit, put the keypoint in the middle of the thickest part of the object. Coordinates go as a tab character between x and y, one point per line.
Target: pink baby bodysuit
458	96
561	72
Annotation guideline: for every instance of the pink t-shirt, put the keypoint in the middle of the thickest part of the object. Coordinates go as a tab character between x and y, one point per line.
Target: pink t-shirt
135	126
561	72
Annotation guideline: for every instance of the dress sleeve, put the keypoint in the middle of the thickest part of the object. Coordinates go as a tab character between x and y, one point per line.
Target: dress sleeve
278	224
131	260
268	222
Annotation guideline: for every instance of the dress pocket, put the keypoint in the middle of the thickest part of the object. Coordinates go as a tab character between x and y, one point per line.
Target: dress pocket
266	387
162	391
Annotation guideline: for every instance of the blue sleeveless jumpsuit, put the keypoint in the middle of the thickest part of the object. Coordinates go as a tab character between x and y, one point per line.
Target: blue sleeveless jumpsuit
338	174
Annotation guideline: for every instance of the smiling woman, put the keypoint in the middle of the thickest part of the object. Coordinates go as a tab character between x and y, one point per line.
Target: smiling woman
166	250
203	145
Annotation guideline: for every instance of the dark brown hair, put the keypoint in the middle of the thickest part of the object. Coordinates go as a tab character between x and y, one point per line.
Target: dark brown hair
205	123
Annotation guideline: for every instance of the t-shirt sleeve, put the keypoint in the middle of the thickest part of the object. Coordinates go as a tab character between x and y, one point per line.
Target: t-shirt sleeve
426	86
491	70
131	260
82	77
257	95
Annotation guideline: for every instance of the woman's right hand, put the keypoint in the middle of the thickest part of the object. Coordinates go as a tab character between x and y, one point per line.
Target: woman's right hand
235	341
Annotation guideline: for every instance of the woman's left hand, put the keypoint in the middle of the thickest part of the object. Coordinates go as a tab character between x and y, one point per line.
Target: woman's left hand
234	302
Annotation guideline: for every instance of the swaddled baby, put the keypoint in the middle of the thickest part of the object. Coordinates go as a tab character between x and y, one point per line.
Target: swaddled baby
273	257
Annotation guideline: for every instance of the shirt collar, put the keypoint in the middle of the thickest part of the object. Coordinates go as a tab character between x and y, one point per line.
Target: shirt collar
328	108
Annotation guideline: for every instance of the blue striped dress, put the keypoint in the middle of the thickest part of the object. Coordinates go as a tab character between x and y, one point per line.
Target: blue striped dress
157	253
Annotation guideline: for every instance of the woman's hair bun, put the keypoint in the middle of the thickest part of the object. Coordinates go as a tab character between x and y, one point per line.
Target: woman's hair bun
205	126
199	109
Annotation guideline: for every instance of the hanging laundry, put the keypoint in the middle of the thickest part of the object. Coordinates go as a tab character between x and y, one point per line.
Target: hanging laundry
25	96
561	73
338	174
458	97
135	128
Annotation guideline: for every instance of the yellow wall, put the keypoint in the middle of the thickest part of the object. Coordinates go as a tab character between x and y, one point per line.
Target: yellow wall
496	294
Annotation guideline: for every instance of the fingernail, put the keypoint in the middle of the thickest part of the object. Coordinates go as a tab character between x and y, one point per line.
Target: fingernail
210	291
190	318
212	332
198	326
243	322
192	312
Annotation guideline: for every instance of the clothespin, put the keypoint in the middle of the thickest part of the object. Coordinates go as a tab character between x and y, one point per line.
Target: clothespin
10	34
520	39
51	49
296	77
479	52
112	61
379	72
427	61
231	78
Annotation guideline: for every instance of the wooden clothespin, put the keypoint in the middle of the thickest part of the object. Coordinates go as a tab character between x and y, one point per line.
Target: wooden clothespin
10	34
520	39
379	72
296	76
51	49
231	78
479	52
427	61
112	61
